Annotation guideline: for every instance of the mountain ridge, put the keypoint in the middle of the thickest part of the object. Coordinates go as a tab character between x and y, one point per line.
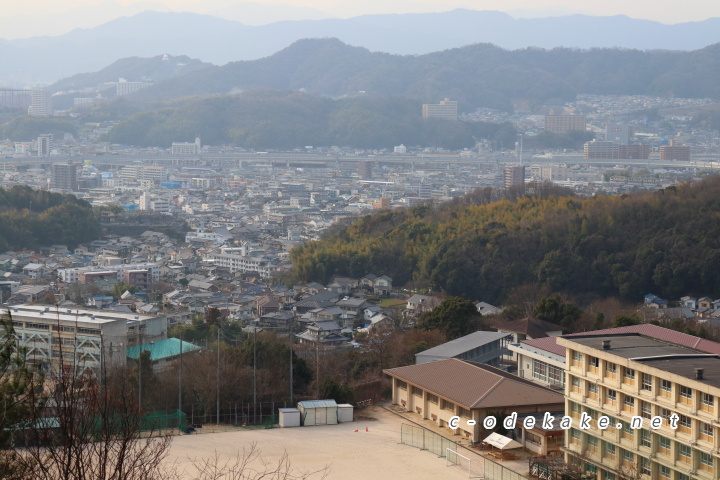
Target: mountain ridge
207	38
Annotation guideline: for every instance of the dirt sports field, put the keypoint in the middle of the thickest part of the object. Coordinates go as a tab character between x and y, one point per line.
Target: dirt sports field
361	455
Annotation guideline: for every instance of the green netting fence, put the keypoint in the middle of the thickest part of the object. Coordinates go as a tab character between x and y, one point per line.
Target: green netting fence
162	420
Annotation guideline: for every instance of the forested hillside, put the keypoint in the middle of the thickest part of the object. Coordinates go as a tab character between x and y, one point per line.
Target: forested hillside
480	75
33	218
666	242
285	120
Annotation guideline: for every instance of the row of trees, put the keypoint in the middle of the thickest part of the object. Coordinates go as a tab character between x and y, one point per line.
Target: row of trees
67	421
662	242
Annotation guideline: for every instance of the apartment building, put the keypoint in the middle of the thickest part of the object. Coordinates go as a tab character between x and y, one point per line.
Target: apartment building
151	273
89	336
565	123
628	377
446	109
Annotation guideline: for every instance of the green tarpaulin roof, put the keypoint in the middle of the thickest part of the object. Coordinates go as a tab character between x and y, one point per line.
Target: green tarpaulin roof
162	349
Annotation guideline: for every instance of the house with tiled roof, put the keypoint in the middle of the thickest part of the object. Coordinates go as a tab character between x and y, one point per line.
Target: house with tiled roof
446	388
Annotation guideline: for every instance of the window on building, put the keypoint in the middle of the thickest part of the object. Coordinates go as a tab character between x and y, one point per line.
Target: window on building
627	432
645	438
610	397
401	385
590	468
682	476
592	444
706	432
686	395
665	414
705	462
664	471
445	405
707	402
574	409
684	424
432	398
593	364
577	358
628	456
629	376
540	370
576	385
37	326
608	475
665	388
628	403
646	409
610	450
532	438
556	376
644	466
663	445
464	412
592	390
610	370
575	436
647	382
416	391
684	452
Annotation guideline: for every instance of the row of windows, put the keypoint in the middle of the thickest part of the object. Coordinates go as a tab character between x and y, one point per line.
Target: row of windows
684	453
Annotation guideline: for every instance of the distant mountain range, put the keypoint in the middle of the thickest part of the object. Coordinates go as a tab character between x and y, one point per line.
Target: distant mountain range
218	41
479	75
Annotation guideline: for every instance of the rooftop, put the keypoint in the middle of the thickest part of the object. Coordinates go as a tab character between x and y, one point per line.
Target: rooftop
475	385
463	344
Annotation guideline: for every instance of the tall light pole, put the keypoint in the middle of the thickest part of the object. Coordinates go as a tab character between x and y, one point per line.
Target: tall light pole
291	367
218	375
180	372
255	372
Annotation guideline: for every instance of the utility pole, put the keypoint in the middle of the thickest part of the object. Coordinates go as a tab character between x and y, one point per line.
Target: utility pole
317	371
255	373
291	368
140	373
180	373
218	376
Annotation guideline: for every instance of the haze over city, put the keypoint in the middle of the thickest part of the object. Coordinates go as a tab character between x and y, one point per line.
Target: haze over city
48	17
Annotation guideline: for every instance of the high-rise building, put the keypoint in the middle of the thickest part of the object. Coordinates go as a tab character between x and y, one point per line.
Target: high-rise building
123	87
514	176
186	148
642	407
40	103
565	123
620	134
365	168
447	109
64	176
44	145
674	152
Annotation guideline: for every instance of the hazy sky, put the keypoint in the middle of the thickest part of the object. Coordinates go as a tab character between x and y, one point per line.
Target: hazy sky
26	18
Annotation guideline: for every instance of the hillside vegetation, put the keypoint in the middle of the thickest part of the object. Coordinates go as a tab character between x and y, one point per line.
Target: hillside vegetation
33	218
282	119
666	242
480	75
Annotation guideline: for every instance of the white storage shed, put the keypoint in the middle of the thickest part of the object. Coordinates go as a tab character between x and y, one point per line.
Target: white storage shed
318	412
289	417
345	413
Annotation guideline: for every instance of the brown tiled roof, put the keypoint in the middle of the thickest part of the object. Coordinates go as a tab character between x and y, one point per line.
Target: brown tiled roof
661	333
475	385
648	329
530	326
548	344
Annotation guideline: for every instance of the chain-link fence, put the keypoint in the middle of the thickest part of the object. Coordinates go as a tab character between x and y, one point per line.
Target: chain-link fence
425	439
476	465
